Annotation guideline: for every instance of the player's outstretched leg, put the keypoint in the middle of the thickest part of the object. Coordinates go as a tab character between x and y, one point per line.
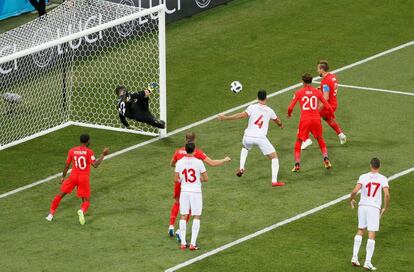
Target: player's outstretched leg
243	156
324	151
297	151
275	170
54	205
335	126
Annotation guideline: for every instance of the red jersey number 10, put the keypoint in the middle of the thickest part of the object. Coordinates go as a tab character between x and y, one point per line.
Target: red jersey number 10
189	175
259	121
369	187
80	162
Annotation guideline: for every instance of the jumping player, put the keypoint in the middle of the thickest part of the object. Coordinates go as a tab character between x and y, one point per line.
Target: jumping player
190	172
369	210
310	119
329	87
180	153
81	158
259	116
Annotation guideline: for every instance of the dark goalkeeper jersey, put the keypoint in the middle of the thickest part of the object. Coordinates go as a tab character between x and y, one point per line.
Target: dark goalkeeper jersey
133	106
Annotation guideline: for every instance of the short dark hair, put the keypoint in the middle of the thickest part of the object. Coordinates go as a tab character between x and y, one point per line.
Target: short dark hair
307	78
119	88
262	95
190	137
189	148
375	163
84	138
324	65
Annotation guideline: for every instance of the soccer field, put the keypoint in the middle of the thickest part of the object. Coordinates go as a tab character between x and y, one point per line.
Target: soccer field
264	44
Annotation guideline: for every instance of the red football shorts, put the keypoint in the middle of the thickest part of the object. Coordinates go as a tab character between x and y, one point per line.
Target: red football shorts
177	189
325	114
80	181
313	126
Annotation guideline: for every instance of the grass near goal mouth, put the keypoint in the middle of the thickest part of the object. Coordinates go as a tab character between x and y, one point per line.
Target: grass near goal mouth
127	224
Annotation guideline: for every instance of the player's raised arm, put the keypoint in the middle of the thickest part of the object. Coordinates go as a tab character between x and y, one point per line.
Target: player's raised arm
101	158
353	194
211	162
386	200
236	116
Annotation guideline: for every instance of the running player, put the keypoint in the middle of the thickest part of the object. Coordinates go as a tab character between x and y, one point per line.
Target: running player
369	210
329	87
310	119
259	116
190	137
190	172
81	158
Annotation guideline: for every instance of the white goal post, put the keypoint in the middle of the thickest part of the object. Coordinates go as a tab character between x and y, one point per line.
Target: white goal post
62	69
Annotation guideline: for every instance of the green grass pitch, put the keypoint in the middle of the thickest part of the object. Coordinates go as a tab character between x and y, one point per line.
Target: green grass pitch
264	44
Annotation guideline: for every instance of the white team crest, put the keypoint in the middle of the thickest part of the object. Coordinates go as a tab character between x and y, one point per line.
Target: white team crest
202	3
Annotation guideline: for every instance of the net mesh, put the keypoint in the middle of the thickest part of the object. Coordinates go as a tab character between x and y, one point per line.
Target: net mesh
75	81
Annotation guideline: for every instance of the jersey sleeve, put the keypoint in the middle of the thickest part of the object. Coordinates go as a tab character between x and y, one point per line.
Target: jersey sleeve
385	183
249	110
92	157
199	154
175	156
69	158
177	168
273	114
202	167
326	88
360	180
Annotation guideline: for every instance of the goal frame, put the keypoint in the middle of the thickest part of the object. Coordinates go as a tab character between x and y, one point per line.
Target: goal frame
160	9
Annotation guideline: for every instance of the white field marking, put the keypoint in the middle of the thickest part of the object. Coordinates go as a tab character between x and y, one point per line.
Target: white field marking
375	89
120	152
272	227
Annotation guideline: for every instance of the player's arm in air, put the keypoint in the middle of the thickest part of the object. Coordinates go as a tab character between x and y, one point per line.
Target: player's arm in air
240	115
211	162
353	195
386	200
292	105
96	163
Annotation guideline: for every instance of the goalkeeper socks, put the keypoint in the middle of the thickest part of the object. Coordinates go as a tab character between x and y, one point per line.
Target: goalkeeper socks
275	169
85	206
243	156
55	204
194	231
297	151
174	212
322	146
333	124
183	229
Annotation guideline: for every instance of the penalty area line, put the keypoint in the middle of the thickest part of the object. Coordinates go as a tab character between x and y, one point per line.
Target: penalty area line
275	226
133	147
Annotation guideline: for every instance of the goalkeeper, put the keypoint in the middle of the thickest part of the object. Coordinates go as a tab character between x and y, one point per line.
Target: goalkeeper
135	106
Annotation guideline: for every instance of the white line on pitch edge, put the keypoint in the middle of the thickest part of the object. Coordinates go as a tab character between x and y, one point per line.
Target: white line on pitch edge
375	89
120	152
272	227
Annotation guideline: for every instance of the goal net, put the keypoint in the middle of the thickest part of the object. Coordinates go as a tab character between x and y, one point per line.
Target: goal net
62	68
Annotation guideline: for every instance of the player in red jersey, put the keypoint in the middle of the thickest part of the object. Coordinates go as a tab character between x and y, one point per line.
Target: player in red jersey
180	153
81	158
329	88
310	119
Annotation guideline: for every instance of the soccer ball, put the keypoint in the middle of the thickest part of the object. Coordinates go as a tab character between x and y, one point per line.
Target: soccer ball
236	87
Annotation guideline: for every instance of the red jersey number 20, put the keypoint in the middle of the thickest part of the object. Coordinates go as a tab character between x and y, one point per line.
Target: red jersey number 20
189	175
309	103
259	121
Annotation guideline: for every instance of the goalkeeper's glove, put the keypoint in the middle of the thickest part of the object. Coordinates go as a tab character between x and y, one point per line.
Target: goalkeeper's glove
153	86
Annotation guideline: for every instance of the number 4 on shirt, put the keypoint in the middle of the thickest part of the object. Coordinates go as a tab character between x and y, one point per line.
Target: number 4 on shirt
259	121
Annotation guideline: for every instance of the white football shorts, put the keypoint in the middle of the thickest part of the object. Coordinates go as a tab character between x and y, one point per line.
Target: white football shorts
368	218
191	201
263	143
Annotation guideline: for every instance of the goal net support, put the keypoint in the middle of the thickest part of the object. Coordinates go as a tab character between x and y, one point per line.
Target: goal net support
62	68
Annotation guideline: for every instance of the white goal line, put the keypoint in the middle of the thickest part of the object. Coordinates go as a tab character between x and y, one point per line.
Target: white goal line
133	147
272	227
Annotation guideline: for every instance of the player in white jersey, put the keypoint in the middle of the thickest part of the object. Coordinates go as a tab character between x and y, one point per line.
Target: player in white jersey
369	210
259	117
190	172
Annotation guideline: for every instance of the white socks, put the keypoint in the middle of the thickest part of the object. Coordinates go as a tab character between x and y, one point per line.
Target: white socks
357	244
275	169
183	229
243	156
195	230
370	250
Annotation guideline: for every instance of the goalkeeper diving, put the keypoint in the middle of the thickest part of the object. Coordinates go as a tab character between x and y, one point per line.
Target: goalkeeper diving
135	106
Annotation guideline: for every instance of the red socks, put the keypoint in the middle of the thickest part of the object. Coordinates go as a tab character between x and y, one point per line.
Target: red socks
55	204
333	124
322	146
85	206
174	212
297	150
